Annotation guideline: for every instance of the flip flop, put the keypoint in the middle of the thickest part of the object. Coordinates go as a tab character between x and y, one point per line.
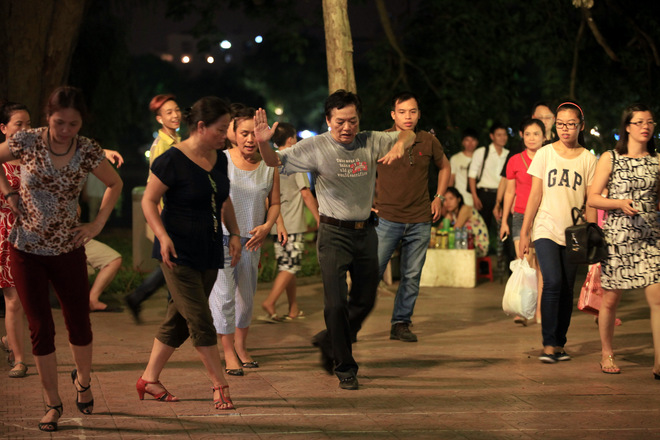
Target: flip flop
271	319
300	315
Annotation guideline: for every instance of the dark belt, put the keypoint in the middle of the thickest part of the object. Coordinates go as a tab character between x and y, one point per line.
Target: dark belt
488	190
344	223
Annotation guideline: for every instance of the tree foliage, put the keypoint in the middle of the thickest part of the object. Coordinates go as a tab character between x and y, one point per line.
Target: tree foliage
491	60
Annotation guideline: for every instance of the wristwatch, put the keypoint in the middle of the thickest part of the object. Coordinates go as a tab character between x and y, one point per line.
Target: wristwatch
440	196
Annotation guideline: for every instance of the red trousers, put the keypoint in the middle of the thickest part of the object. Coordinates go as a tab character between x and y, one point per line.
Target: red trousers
68	274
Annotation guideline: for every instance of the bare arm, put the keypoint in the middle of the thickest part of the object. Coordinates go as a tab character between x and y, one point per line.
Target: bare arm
509	195
443	182
501	189
595	198
229	220
463	216
150	201
260	232
106	174
263	133
311	203
5	187
405	140
533	203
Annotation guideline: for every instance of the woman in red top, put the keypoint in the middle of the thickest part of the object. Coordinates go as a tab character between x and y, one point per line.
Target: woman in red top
519	183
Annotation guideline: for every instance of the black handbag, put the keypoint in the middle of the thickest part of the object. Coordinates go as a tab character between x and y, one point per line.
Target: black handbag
585	243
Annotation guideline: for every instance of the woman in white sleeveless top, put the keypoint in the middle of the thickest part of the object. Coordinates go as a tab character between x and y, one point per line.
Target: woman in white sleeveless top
255	194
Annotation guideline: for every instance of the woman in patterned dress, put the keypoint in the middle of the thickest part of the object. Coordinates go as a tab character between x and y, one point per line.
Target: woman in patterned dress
47	239
630	175
13	118
461	215
255	194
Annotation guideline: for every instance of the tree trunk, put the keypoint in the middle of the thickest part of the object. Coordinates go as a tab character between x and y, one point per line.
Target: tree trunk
576	56
37	42
338	46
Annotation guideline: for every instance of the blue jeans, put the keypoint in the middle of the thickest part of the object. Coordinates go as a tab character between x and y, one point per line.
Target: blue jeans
557	298
414	238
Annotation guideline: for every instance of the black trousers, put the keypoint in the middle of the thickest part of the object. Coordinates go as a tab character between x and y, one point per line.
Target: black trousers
343	250
488	199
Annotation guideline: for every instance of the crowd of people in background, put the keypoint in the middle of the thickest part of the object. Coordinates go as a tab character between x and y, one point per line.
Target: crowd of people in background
212	200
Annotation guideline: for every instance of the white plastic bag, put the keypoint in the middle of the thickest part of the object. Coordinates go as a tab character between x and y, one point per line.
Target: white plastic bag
521	290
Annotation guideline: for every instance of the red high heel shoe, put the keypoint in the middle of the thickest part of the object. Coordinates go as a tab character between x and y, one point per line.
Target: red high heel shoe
164	396
223	399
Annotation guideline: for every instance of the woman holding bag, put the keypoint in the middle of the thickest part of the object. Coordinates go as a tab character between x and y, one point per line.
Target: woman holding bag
630	175
519	184
562	173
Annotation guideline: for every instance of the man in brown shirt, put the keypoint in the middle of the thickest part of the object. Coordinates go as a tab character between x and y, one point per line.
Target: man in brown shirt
406	211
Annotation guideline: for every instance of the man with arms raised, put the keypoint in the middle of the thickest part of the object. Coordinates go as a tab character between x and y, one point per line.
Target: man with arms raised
343	163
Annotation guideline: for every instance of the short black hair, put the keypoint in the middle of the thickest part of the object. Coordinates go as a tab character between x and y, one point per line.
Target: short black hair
496	126
283	131
470	132
340	99
402	97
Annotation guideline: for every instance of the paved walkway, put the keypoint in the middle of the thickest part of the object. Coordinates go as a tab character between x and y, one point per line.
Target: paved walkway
472	375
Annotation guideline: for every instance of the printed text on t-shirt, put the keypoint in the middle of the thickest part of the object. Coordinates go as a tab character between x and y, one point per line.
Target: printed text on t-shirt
564	180
352	168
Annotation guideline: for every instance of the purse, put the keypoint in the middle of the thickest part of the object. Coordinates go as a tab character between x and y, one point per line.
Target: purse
585	243
591	293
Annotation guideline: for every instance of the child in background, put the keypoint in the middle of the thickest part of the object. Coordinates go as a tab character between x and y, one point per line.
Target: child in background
294	191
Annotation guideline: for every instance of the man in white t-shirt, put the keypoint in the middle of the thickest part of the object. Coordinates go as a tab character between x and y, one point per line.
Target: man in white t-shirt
460	164
484	172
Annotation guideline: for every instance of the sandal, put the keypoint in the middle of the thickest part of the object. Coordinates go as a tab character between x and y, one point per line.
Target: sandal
51	426
20	370
611	368
83	407
300	315
272	319
226	401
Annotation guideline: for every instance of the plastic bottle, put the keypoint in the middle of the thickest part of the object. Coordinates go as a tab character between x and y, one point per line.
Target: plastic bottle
464	238
470	238
451	239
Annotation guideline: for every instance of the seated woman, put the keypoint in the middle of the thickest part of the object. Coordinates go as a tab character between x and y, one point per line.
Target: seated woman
461	215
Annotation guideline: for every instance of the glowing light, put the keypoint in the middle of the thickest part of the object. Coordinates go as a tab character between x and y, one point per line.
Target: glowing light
305	134
210	59
258	39
225	44
228	58
155	134
167	57
147	154
279	111
616	136
185	59
594	132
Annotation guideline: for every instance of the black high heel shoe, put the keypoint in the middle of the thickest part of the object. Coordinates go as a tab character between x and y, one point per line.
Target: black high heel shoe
51	426
83	407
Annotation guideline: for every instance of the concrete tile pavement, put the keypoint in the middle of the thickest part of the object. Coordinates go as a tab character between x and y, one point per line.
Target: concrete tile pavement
472	375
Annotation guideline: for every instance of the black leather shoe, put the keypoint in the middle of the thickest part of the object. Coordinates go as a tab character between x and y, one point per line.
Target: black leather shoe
348	383
234	371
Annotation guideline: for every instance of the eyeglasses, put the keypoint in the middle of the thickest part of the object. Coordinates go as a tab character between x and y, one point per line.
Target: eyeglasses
569	125
640	124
